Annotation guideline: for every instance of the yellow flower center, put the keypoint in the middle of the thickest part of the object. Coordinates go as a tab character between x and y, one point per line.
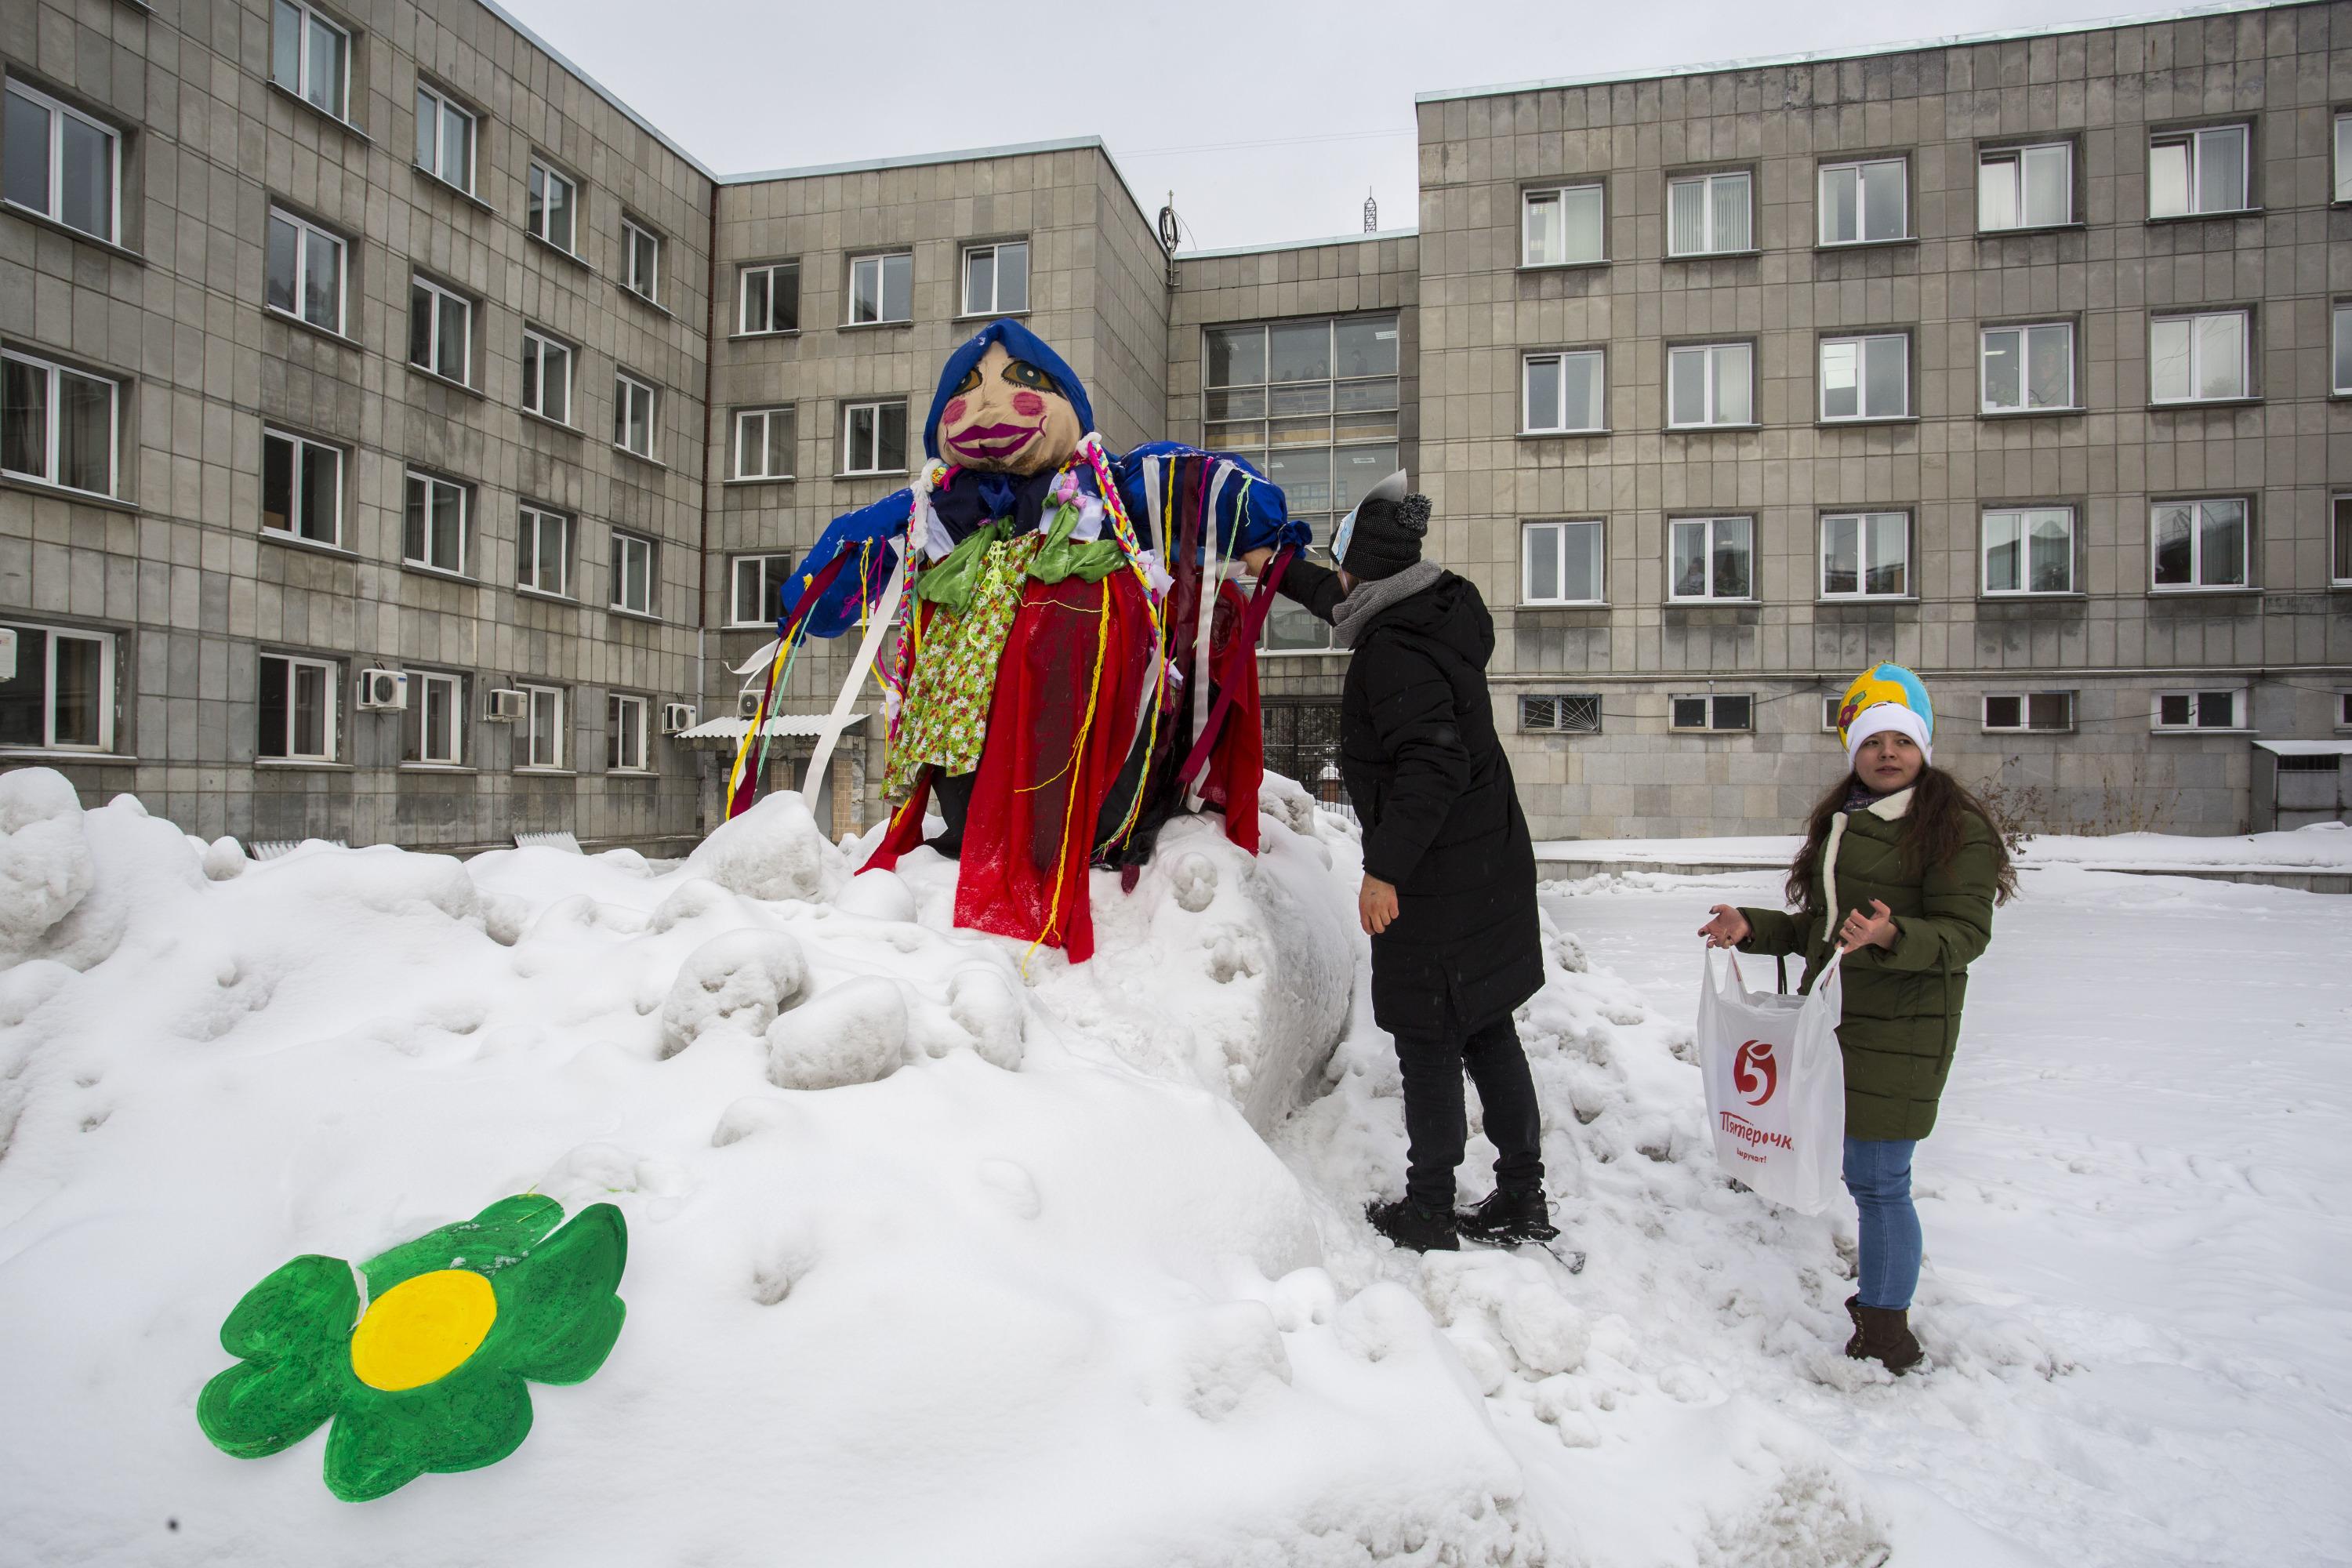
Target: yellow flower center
423	1329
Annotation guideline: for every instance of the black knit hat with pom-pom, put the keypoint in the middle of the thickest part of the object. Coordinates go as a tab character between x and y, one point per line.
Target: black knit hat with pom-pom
1388	536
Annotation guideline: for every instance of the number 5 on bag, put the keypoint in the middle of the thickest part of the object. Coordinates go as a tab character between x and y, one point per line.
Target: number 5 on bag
1775	1083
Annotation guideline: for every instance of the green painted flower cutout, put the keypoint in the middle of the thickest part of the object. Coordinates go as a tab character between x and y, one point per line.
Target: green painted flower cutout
419	1355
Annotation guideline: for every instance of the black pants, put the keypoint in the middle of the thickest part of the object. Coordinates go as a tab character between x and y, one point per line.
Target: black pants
1438	1126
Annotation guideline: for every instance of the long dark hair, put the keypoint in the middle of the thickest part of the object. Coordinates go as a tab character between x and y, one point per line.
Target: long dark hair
1933	830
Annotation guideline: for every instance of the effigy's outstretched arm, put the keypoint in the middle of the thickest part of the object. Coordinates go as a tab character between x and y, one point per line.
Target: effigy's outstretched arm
839	596
1249	508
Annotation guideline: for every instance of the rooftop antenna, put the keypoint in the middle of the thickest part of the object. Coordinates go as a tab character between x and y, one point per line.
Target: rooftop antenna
1372	213
1171	232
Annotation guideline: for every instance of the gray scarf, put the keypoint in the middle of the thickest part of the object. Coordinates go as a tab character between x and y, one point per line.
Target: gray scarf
1355	614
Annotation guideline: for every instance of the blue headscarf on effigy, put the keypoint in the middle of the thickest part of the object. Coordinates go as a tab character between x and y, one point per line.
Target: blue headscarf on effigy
1248	515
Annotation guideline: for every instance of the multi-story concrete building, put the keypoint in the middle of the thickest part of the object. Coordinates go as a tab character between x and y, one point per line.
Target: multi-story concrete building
374	337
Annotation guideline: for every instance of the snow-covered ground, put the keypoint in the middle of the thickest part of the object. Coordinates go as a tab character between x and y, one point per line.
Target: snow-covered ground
933	1259
2323	846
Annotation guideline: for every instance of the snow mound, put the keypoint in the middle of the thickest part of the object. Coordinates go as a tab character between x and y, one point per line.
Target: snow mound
737	982
855	1032
45	865
775	850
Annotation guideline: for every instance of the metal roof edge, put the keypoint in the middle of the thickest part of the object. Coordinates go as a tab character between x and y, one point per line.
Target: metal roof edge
917	159
1815	57
1298	244
598	87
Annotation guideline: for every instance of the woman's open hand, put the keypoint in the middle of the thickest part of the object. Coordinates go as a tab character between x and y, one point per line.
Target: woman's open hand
1875	929
1727	929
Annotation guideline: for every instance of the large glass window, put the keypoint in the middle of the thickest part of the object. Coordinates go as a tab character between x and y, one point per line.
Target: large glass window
1566	392
2344	157
58	425
759	580
61	163
440	330
554	209
763	443
2199	543
2029	549
2195	171
1710	383
1712	558
1711	711
2197	359
640	259
304	267
301	488
1560	225
61	696
772	298
1866	378
2026	187
310	56
543	551
2222	709
632	574
444	138
996	278
2340	553
2045	710
433	532
1706	214
874	438
633	415
297	700
2340	379
1560	562
624	734
1865	202
882	289
546	377
540	743
1866	555
433	729
2027	368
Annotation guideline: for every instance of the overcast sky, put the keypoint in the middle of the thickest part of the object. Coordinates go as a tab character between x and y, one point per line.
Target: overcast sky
1269	119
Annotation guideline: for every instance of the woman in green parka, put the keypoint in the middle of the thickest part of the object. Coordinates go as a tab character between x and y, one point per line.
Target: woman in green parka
1900	870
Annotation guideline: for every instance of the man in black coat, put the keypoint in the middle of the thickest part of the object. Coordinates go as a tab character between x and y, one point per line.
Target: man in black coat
1449	890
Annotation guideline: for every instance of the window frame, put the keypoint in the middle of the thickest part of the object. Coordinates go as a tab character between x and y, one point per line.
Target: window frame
332	690
2339	345
537	360
2025	331
53	426
1558	191
2193	138
108	698
2025	724
2341	171
1821	172
2245	392
421	684
1985	516
735	566
528	748
626	544
1863	414
848	414
2015	154
532	518
1711	520
544	169
1746	176
1865	535
768	417
433	482
2339	542
1712	698
58	111
633	231
1707	387
1599	558
444	105
744	275
438	292
880	260
625	386
2239	718
1557	359
311	15
303	228
616	738
297	493
2245	504
995	249
1558	701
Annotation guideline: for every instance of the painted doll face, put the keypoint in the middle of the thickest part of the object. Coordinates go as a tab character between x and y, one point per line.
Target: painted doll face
1007	417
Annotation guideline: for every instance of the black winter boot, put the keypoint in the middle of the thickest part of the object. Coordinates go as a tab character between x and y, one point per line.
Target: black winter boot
1410	1226
1886	1337
1507	1218
1853	1311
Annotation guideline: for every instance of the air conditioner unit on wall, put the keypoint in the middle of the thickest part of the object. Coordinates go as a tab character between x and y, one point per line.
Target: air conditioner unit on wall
677	717
747	705
384	691
507	704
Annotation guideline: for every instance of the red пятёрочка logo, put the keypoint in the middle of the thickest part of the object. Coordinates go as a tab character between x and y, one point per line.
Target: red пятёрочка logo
1754	1073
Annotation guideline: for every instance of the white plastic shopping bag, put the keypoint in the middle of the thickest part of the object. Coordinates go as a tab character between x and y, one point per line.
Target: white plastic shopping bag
1775	1083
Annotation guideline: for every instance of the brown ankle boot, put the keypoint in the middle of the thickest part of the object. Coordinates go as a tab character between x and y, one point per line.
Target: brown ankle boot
1853	1311
1883	1335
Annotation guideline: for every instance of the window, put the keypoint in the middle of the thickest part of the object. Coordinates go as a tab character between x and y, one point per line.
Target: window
1572	715
1565	392
2340	572
61	163
310	56
1560	227
763	443
2344	157
2045	710
445	139
874	438
1710	385
2026	187
1866	555
996	280
541	744
2196	359
433	534
555	208
546	377
624	734
758	581
1833	710
2196	171
1313	403
543	551
772	298
633	415
2199	543
1865	202
1714	557
2027	368
440	330
434	728
2341	381
1708	213
1866	378
305	271
2030	550
298	708
882	289
58	425
632	574
1561	564
301	488
2344	709
61	697
640	259
1716	710
2223	709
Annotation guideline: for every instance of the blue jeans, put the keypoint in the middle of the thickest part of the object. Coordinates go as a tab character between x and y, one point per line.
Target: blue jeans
1879	1174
